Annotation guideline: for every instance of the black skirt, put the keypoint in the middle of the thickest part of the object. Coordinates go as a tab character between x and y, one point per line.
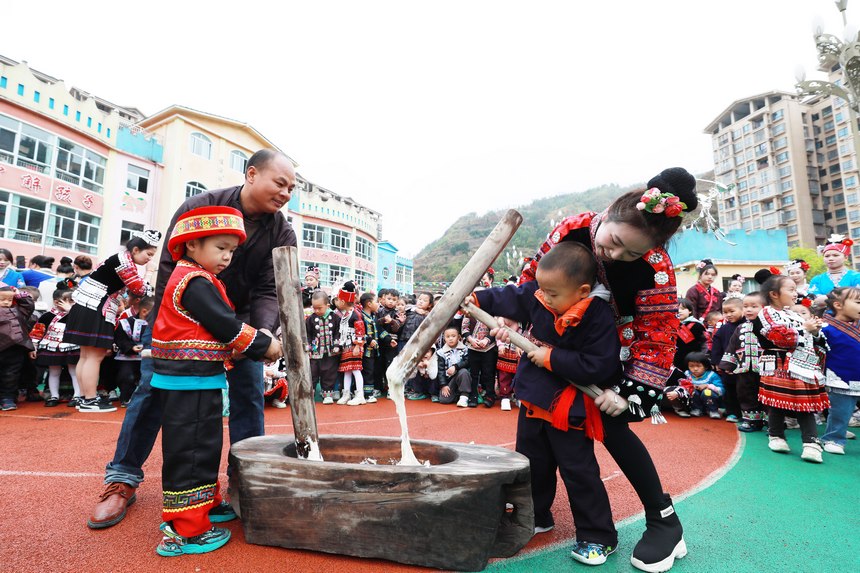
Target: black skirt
47	358
87	327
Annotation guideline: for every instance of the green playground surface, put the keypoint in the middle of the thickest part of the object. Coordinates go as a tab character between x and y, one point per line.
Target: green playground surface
768	512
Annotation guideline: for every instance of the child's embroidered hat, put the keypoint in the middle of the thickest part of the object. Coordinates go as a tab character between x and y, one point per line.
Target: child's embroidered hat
347	292
205	222
837	243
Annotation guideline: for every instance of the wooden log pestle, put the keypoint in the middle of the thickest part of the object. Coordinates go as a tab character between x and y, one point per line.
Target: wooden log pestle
294	339
443	311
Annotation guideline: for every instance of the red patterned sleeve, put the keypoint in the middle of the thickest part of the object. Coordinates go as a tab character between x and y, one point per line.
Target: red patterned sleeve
776	331
127	272
557	234
359	329
38	332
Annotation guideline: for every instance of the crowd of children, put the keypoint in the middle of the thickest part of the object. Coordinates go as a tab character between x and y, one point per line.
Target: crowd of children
774	359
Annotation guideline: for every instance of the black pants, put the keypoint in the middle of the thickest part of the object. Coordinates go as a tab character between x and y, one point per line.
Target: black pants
192	435
368	370
747	386
806	420
482	366
633	459
572	454
11	363
127	377
730	396
324	371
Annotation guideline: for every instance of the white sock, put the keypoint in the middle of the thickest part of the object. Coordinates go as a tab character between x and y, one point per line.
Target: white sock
347	383
54	381
359	383
73	374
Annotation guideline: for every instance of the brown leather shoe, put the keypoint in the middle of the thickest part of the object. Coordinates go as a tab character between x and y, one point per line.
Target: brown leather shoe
112	505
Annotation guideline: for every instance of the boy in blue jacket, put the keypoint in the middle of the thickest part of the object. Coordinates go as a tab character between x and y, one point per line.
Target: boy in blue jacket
557	424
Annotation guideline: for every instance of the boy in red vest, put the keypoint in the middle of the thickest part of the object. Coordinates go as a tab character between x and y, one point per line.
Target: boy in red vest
195	333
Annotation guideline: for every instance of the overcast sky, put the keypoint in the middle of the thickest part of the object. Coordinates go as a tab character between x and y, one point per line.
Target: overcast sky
426	111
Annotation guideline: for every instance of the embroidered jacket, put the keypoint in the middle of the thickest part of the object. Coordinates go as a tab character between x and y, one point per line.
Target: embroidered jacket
477	331
704	299
373	332
323	333
350	330
722	338
784	340
128	333
47	333
843	366
743	351
103	286
197	330
645	304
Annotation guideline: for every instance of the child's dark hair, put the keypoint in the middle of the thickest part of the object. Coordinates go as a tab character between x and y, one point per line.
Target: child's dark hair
61	293
8	254
756	294
382	292
394	292
84	262
713	314
5	288
574	260
699	357
686	303
840	295
706	264
65	269
429	296
366	298
772	286
138	243
146	303
451	326
320	294
657	226
734	301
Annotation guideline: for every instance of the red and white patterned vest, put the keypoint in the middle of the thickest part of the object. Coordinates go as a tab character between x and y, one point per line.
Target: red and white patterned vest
177	336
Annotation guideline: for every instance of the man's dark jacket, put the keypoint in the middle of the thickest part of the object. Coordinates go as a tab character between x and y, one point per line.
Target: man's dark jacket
250	278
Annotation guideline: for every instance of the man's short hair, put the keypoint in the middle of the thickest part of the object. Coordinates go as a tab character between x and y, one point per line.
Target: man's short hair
574	260
262	158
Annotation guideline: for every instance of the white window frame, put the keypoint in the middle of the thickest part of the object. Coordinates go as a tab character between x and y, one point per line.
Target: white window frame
340	240
313	236
127	231
238	161
363	249
83	226
31	232
193	188
137	179
201	145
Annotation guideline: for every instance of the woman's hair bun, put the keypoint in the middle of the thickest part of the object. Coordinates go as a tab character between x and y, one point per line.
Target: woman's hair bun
678	181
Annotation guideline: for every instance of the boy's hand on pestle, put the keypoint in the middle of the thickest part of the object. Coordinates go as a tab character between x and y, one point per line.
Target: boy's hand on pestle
538	356
502	333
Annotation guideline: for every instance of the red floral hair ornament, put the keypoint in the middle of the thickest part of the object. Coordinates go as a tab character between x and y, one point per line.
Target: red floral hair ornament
655	201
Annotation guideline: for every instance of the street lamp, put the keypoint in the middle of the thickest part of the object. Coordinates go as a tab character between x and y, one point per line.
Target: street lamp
832	51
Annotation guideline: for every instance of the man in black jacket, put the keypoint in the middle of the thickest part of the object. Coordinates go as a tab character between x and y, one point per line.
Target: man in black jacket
250	281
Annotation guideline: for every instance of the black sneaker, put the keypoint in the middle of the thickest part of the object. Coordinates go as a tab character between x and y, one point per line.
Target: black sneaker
95	405
51	402
489	401
173	544
74	402
8	404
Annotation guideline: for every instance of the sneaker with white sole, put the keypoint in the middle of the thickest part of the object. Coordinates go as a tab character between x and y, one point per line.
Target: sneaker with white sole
812	453
343	399
682	413
834	448
328	400
777	444
506	404
854	422
357	401
371	399
279	403
850	435
95	405
543	528
173	544
463	402
591	553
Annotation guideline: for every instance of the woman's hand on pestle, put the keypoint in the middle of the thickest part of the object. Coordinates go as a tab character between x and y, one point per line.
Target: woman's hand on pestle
611	403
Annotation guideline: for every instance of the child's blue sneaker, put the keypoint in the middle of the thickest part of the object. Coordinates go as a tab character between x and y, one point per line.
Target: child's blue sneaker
591	553
173	544
222	513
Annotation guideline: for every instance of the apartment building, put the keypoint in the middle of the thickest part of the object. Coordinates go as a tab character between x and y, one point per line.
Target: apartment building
793	166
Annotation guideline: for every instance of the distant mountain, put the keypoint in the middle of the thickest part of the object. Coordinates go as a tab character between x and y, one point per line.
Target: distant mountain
441	260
